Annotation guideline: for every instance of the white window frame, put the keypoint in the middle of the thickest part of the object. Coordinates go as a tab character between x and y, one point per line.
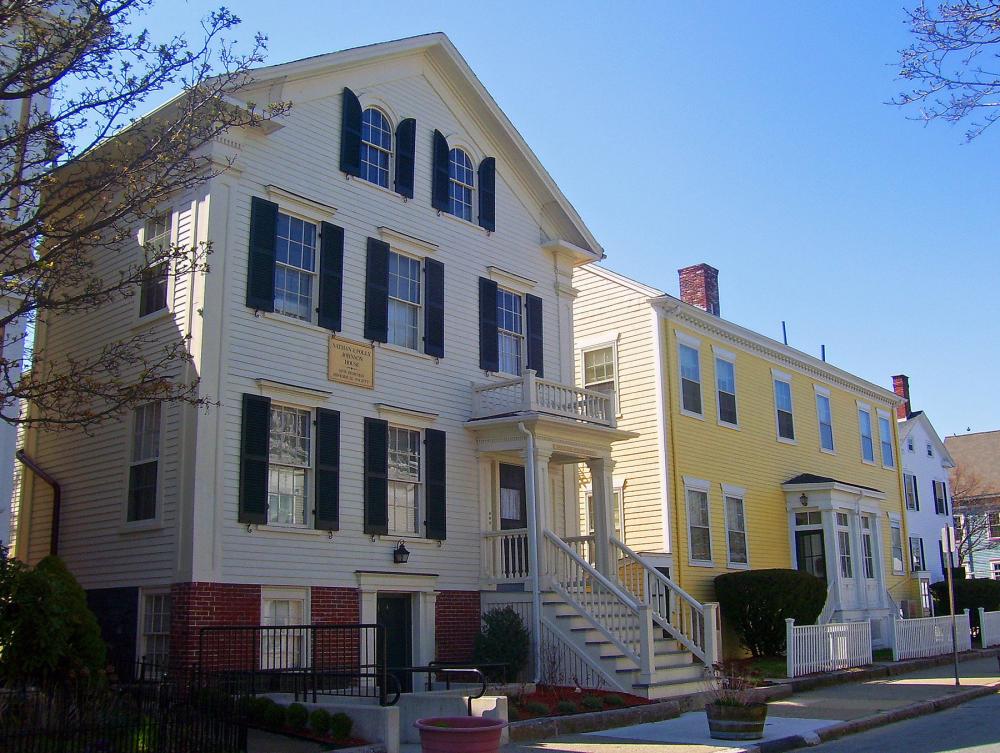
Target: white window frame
995	569
702	486
907	489
990	526
390	152
520	337
883	442
171	239
157	517
618	494
686	341
308	467
943	486
866	409
914	552
930	450
419	306
909	444
730	358
735	493
418	481
302	596
471	186
896	537
314	272
613	345
868	548
142	635
824	393
776	377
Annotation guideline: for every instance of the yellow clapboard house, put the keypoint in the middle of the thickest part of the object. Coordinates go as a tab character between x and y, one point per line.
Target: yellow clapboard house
749	454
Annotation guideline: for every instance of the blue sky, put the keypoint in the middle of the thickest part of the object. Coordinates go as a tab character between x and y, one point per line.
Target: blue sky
752	136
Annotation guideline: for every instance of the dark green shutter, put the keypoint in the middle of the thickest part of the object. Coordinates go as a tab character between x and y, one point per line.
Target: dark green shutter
489	350
487	194
331	276
350	134
434	308
439	185
260	261
377	291
434	461
536	348
376	476
254	449
327	513
406	148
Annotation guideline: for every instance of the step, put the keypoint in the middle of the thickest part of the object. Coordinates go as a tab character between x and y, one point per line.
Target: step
670	674
659	690
664	659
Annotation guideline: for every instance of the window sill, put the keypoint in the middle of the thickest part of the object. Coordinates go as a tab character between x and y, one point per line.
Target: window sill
462	221
409	538
785	440
136	526
828	452
888	467
377	187
142	322
690	414
727	425
701	563
868	462
297	323
393	348
275	531
738	565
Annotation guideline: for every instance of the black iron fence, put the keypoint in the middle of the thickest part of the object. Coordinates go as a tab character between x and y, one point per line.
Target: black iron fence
304	660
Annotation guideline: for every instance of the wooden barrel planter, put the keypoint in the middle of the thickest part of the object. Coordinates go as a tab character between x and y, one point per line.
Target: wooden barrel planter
745	722
460	734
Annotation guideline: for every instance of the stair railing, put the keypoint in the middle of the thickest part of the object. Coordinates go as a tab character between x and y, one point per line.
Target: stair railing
686	620
626	623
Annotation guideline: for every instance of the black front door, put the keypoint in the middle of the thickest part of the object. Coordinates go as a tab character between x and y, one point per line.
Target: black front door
513	506
810	553
394	613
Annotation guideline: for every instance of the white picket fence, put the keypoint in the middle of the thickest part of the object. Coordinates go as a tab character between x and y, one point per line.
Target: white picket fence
823	648
989	628
929	636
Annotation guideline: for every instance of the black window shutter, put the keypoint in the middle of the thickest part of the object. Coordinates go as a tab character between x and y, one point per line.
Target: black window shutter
377	291
376	476
327	513
433	308
487	194
489	350
331	276
916	494
260	261
350	134
254	449
533	312
439	185
406	148
434	462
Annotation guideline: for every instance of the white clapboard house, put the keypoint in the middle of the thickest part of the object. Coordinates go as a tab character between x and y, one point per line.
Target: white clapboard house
387	330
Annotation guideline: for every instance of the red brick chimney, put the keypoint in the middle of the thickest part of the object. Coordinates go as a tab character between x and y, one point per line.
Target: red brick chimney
700	287
901	386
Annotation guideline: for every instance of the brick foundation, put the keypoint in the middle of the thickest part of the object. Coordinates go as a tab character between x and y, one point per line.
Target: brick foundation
335	606
456	624
197	605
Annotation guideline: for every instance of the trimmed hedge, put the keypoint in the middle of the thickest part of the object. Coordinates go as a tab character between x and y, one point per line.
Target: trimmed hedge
969	594
755	604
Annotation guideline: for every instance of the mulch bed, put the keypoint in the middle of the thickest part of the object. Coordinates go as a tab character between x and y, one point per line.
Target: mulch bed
565	701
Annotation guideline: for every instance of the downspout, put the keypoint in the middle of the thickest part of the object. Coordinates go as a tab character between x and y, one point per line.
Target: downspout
536	594
56	497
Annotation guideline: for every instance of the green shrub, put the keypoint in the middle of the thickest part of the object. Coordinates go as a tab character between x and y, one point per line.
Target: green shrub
969	594
273	715
297	716
614	700
319	721
592	703
566	707
536	707
512	714
340	726
503	639
755	604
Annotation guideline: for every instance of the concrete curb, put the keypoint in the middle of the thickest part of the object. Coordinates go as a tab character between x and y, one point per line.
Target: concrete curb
574	724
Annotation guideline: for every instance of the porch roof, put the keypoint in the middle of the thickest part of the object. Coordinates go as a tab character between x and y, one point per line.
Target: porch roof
813	480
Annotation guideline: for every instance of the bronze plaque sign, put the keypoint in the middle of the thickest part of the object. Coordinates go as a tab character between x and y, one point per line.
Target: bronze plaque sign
352	363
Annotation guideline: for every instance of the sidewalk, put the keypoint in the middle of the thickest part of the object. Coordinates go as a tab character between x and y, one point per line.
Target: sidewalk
803	718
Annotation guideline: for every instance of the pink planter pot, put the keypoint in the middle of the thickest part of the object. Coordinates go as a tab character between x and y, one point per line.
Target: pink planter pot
459	734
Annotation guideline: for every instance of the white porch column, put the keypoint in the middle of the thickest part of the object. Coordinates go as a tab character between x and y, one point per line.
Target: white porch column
602	488
425	645
543	498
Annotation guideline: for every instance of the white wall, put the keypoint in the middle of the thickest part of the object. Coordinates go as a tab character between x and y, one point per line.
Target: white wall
925	522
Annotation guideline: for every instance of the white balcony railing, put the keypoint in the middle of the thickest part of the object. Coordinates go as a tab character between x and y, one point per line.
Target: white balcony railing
505	555
530	394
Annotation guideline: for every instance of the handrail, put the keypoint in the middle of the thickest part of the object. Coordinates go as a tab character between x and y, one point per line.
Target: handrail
593	572
704	648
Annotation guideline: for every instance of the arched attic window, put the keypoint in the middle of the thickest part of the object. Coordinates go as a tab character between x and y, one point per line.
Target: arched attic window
461	181
376	147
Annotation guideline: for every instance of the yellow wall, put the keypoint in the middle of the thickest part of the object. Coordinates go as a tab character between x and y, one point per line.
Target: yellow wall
752	457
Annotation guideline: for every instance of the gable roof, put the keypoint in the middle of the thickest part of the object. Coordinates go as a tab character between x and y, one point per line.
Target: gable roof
446	59
620	279
919	418
978	455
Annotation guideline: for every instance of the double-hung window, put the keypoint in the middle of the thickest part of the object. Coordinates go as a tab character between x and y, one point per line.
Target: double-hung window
910	491
916	554
376	147
865	428
995	569
940	497
461	179
295	267
510	331
155	650
725	388
699	523
599	370
844	546
993	523
153	287
282	646
896	539
736	531
289	461
404	481
690	362
617	513
144	462
885	440
867	548
404	301
825	416
783	407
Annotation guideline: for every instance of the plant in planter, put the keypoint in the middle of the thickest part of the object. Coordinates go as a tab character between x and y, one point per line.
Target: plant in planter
460	734
734	713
